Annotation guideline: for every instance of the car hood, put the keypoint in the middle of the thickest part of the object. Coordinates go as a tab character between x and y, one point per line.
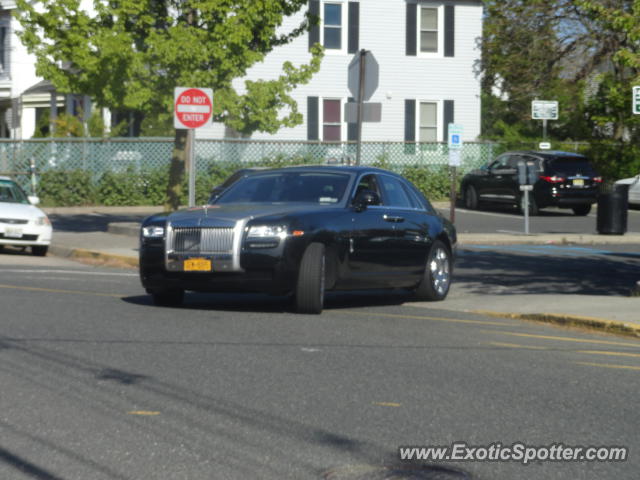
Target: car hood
228	215
19	211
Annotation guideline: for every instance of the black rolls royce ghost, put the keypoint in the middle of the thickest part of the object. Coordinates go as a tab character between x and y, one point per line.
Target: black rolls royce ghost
301	231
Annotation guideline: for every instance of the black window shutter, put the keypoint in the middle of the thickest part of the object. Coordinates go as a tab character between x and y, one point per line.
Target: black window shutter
412	32
352	128
312	118
409	120
449	30
314	31
448	118
354	27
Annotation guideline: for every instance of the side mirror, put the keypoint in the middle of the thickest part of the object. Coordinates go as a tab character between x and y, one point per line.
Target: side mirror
366	198
33	200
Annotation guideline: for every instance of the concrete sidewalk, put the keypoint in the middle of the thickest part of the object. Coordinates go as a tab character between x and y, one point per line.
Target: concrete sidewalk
118	246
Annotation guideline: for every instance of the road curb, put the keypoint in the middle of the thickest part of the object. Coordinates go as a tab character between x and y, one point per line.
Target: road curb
94	257
568	320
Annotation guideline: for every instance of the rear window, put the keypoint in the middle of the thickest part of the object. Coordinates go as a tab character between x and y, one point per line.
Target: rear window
570	166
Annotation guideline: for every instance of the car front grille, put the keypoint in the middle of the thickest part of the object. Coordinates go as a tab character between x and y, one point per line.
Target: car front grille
202	240
24	238
14	221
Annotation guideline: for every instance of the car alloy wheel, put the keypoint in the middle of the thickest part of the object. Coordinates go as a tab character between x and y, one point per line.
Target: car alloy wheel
439	267
471	198
437	275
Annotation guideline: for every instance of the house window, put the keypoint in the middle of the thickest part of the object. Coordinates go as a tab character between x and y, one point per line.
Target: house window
428	122
331	125
429	30
3	49
332	26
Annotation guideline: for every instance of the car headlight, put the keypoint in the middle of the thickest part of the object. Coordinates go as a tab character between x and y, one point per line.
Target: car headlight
42	221
153	231
267	231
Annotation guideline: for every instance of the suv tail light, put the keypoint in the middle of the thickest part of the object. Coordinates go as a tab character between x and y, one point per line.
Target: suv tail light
554	179
597	179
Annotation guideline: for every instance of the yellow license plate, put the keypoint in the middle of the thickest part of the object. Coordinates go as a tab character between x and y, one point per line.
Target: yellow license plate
197	265
578	182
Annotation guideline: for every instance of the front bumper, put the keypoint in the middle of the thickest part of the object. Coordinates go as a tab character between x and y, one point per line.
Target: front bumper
272	271
25	235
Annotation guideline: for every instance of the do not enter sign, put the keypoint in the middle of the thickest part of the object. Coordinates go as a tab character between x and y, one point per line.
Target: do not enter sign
192	107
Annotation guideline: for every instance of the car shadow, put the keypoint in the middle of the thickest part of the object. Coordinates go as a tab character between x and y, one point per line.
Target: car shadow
94	222
504	273
262	303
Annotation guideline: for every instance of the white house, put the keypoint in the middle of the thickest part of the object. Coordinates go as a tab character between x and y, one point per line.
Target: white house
17	74
425	49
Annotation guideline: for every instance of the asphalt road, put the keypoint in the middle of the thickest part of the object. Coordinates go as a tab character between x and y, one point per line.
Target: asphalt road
551	220
96	383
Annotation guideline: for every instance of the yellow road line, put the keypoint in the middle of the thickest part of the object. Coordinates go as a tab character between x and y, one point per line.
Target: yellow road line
613	354
607	365
563	339
56	290
419	317
147	413
387	404
515	345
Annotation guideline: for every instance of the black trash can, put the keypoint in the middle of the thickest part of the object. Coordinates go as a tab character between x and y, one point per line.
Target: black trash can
613	203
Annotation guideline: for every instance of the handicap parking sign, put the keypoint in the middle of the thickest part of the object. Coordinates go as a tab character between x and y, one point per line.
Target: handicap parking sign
455	135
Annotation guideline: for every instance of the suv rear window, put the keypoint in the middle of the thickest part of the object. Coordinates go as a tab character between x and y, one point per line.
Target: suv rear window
570	166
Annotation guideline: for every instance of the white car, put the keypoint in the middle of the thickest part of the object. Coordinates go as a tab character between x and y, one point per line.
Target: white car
21	222
634	189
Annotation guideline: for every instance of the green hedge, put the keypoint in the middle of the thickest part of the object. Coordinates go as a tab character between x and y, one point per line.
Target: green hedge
59	188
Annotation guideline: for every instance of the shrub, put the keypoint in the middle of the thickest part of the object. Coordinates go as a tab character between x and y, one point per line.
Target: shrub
66	188
432	180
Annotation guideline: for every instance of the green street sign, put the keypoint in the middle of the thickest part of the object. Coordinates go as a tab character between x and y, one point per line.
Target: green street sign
636	100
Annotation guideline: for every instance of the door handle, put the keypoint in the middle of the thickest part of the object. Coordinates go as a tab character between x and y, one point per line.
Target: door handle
394	219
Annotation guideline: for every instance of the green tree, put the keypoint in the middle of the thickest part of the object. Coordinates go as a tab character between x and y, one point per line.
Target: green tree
551	49
131	54
609	104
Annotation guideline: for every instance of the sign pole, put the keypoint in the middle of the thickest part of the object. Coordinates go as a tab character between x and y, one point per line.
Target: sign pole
193	108
191	165
452	207
360	102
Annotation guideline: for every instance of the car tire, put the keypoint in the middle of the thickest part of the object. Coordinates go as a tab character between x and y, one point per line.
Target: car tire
582	210
471	198
309	294
39	250
533	207
170	297
436	279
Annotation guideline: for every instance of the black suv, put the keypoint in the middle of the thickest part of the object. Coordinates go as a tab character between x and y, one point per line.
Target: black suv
564	180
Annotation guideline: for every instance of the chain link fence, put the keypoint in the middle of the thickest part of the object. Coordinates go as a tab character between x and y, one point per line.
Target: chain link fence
94	160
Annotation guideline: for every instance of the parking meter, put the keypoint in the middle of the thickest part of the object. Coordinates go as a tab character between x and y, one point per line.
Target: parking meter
532	173
522	173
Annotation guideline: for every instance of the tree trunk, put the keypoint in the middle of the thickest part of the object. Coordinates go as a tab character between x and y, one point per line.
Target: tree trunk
176	171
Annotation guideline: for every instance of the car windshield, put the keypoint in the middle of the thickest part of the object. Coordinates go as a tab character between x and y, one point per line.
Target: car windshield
11	193
571	166
276	187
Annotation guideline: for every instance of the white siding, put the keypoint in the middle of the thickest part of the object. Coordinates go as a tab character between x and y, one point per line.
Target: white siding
382	30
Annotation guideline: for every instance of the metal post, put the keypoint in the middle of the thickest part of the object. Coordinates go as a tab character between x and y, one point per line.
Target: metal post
360	101
526	212
191	165
452	208
544	129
